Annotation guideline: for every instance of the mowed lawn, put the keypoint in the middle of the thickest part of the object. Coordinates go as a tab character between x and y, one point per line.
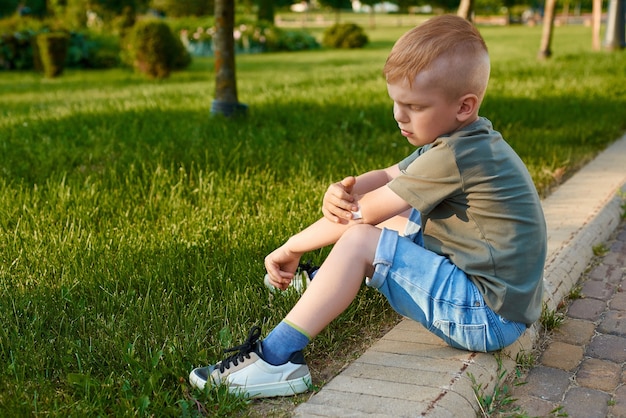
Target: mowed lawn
133	225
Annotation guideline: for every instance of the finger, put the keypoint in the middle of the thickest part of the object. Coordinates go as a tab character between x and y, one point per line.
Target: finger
277	277
333	218
348	183
283	282
336	212
328	215
338	191
279	284
343	202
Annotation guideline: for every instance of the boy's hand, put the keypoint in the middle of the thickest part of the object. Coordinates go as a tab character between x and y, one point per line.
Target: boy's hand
339	202
281	265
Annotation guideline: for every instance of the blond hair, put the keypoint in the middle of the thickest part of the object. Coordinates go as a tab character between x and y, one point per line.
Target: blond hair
450	48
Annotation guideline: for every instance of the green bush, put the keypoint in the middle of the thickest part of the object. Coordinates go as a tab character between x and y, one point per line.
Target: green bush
151	48
17	35
86	49
52	49
292	40
16	52
345	35
103	51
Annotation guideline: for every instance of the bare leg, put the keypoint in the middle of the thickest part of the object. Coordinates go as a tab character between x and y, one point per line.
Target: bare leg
397	223
338	280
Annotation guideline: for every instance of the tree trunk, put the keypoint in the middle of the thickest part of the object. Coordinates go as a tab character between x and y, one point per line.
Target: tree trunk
372	18
614	39
596	22
466	7
548	27
226	102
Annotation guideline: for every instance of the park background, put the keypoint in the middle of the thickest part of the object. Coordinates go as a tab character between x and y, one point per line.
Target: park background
134	222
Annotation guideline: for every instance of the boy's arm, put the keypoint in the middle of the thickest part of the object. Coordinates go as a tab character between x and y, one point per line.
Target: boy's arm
340	198
282	262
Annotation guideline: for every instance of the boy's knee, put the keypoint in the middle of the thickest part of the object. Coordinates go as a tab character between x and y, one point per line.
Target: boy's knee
357	232
362	238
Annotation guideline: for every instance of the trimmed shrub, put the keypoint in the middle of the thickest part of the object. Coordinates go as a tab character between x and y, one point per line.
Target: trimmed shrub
152	49
52	50
16	52
345	35
291	40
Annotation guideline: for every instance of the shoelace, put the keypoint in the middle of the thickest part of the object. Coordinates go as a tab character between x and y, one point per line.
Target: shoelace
241	351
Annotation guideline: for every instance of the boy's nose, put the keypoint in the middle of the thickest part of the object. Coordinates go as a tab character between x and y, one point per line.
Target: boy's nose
398	114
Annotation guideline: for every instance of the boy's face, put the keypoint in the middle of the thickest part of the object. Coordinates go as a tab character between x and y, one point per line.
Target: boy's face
423	111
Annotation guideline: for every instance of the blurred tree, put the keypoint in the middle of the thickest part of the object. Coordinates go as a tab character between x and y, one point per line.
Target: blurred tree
372	12
178	8
404	5
596	22
108	7
8	7
466	9
23	7
614	38
545	50
337	5
226	102
265	11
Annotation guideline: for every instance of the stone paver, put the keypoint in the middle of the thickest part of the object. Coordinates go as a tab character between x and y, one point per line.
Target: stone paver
575	332
589	309
619	301
609	347
586	403
599	374
614	322
562	356
582	371
545	383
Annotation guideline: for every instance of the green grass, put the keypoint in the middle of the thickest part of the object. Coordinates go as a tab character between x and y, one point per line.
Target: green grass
133	225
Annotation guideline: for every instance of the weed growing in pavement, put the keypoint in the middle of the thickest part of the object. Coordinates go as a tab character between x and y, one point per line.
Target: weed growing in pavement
550	319
600	250
525	360
576	293
499	399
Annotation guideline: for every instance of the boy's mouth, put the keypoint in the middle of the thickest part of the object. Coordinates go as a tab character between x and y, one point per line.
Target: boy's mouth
406	133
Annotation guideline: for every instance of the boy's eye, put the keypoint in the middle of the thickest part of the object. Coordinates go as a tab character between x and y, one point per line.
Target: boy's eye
416	108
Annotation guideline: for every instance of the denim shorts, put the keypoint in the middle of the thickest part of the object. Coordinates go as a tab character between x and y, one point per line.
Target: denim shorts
429	289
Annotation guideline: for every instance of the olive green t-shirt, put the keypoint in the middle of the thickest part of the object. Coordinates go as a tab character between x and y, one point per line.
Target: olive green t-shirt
481	209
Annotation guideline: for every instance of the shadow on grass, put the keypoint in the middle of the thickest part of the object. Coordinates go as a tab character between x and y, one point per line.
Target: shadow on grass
329	140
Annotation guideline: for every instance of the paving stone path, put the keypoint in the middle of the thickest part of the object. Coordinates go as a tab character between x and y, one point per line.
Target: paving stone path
582	371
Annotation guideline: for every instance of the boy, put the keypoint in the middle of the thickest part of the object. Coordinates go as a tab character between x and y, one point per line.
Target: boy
469	266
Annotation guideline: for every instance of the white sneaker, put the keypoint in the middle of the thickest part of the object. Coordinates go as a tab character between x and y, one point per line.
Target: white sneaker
299	282
248	374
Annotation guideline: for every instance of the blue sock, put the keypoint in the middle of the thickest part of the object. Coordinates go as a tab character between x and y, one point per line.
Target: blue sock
282	342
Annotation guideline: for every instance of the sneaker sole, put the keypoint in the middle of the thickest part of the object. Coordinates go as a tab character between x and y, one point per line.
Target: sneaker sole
268	390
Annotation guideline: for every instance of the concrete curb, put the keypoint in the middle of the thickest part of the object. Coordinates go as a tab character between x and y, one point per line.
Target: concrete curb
410	372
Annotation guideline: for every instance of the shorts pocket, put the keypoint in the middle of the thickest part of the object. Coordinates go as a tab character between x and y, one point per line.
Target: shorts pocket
463	336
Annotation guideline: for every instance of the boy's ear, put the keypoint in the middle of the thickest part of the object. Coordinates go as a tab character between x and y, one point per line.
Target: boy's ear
468	107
